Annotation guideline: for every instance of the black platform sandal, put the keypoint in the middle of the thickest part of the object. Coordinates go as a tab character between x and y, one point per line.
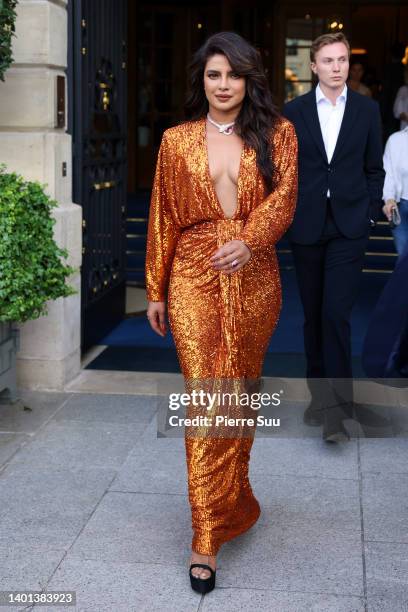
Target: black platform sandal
202	585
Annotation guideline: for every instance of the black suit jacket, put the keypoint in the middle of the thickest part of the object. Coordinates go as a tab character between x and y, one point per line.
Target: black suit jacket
355	175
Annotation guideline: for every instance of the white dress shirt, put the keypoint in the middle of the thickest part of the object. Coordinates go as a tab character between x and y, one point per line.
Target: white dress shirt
396	167
330	118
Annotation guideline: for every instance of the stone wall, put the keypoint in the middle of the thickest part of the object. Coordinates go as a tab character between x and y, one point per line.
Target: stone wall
30	144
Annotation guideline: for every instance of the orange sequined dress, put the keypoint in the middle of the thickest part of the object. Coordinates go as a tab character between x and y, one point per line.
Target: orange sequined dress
221	322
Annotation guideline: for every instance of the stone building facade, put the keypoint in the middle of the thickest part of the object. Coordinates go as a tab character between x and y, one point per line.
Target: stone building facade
32	145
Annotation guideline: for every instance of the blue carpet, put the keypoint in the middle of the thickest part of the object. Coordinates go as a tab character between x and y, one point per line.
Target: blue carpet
133	346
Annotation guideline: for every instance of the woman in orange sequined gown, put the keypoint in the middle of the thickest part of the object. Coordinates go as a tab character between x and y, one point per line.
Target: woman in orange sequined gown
214	265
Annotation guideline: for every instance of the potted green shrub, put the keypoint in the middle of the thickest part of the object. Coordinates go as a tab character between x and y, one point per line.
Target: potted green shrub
31	267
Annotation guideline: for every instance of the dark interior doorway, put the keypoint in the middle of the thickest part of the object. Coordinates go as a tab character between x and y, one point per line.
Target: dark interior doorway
163	35
135	54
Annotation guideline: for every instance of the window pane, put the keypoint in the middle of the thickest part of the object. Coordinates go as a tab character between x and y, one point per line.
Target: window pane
300	33
297	66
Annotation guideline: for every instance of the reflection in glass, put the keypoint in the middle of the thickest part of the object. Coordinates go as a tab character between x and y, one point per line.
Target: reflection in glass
145	79
299	35
298	74
143	136
295	88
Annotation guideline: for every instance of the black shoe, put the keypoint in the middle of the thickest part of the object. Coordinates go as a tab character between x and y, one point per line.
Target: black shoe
313	415
334	431
202	585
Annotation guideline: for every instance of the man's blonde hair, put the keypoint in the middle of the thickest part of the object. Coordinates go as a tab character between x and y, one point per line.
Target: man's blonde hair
328	39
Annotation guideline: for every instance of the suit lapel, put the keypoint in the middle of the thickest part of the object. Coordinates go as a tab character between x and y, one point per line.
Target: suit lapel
311	118
350	113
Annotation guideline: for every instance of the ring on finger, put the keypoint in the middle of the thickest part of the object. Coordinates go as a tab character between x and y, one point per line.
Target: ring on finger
234	263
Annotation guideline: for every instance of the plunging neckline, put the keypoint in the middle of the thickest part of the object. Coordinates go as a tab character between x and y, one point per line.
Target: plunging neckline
210	181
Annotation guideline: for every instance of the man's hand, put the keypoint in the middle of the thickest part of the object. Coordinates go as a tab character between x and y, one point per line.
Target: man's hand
156	313
232	256
388	207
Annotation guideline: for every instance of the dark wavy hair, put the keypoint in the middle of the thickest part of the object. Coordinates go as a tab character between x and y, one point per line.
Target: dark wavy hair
258	114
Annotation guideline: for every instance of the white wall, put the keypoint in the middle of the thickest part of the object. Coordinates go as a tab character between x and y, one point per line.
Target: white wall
31	144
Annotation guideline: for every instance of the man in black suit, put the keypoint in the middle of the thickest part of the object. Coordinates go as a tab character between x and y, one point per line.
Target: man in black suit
340	196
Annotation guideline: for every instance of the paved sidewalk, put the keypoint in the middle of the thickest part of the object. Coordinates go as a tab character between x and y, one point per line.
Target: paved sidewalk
92	501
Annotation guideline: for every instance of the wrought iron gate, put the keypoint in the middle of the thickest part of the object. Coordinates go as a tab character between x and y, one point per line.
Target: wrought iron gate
98	109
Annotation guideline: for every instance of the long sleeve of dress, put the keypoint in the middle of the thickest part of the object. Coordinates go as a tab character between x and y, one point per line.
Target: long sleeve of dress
163	231
268	222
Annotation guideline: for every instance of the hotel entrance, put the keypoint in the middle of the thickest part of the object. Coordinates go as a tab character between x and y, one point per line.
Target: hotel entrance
162	37
129	61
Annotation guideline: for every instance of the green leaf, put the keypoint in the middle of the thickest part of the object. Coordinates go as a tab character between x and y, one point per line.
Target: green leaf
31	267
7	31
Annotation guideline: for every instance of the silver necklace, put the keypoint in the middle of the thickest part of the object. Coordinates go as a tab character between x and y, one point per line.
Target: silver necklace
223	128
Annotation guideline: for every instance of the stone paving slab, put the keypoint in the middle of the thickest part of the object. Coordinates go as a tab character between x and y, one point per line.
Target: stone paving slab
307	458
323	505
242	600
387	577
48	507
306	539
151	434
153	467
121	409
13	417
264	560
10	443
384	456
399	416
124	383
385	507
73	444
103	586
26	567
137	527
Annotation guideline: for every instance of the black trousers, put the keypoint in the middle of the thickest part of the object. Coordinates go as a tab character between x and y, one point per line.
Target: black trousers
329	275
